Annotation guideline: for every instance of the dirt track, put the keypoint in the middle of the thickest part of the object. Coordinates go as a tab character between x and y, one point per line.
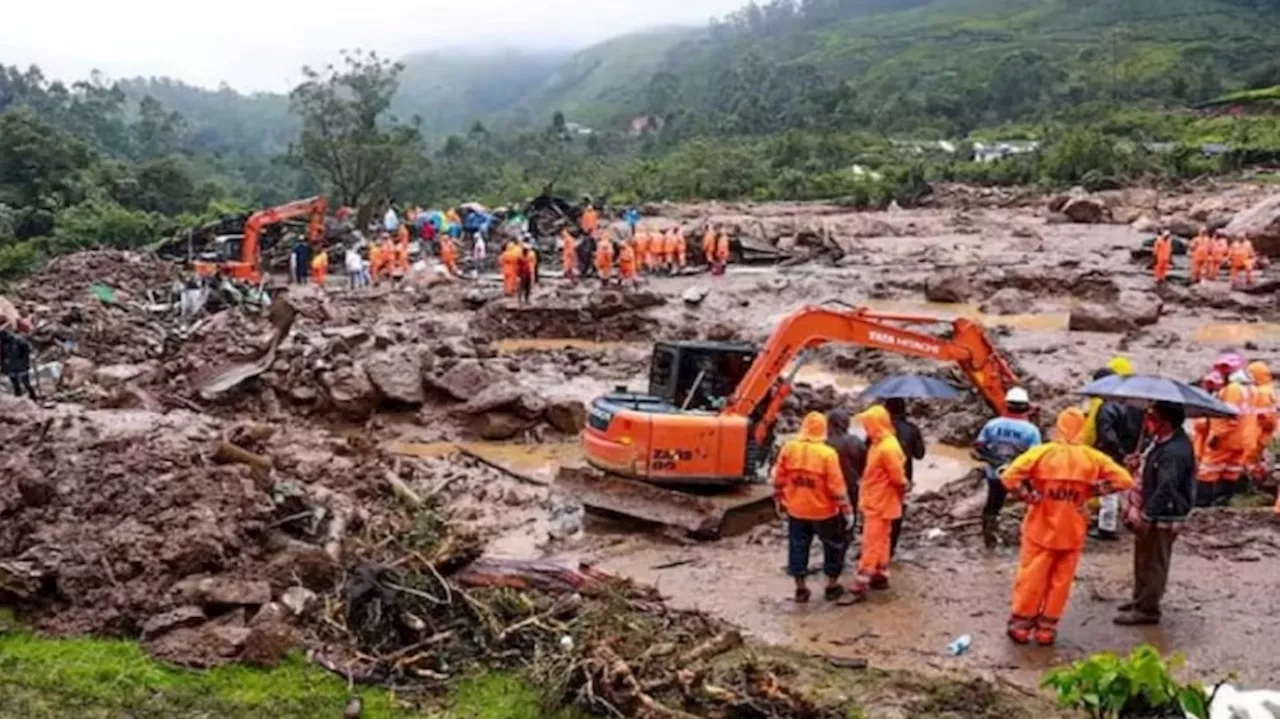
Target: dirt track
397	379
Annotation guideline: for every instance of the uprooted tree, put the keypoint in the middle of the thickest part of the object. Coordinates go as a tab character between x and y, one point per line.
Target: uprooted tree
347	134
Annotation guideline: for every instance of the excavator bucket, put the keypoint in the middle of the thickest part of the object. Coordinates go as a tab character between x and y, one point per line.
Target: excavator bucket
703	515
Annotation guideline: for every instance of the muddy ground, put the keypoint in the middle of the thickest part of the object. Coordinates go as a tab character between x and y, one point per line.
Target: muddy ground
475	402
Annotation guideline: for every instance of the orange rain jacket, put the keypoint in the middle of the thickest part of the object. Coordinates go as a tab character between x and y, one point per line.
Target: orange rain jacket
627	262
604	258
722	248
682	248
709	245
590	220
1057	479
642	248
568	252
884	481
1221	443
806	478
1264	405
449	253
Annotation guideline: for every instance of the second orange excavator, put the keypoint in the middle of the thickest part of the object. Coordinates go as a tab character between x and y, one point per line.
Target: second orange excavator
240	257
707	421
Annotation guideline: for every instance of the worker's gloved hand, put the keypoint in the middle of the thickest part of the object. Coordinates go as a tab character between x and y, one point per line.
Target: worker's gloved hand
847	520
779	509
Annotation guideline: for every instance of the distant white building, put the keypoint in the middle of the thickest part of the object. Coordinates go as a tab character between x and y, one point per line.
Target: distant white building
990	152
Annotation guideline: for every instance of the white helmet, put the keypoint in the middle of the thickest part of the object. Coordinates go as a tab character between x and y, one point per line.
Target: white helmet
1017	395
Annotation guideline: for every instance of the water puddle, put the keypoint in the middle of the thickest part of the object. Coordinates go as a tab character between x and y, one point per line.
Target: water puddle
1236	333
539	462
942	464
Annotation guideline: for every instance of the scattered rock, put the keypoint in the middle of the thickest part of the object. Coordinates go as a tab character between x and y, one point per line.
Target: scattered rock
185	616
567	416
1146	223
1008	301
266	644
76	371
224	590
1086	210
1130	311
695	295
117	374
467	379
459	347
475	299
36	490
951	289
499	426
397	375
298	600
350	391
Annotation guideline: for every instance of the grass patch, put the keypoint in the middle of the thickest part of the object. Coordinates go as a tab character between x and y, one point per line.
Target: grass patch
107	678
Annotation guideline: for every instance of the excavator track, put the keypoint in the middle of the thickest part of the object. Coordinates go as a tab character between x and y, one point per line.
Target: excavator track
702	514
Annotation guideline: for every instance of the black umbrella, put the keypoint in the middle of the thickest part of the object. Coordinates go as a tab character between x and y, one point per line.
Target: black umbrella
1144	390
910	386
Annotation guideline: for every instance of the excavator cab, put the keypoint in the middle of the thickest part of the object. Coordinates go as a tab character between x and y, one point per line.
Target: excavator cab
698	376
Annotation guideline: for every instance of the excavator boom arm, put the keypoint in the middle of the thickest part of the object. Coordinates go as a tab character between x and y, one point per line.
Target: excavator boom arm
315	207
810	327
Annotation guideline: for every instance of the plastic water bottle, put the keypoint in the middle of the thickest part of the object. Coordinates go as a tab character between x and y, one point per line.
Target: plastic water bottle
960	645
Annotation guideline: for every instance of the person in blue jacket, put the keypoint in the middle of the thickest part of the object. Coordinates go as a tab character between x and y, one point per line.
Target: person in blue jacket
632	218
999	443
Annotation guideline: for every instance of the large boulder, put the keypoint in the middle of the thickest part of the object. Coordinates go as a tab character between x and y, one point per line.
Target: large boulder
467	379
350	391
1260	223
1130	311
950	289
506	396
397	375
1086	210
567	416
499	426
1008	301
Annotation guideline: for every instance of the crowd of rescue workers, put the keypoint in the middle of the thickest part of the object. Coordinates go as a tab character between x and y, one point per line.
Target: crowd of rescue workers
1138	467
1142	466
613	256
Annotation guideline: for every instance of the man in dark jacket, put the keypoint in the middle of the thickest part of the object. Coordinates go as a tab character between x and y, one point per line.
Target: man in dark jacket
1119	429
851	449
1158	511
15	359
912	441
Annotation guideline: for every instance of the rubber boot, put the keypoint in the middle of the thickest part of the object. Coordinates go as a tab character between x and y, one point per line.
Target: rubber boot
1019	629
990	528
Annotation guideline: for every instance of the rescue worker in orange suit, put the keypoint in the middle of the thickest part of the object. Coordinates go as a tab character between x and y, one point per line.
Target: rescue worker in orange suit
526	269
1264	411
569	255
590	219
1218	251
402	252
682	250
376	261
880	495
809	489
669	251
627	265
1055	480
709	245
449	255
642	250
604	260
1241	258
509	261
1164	257
320	267
388	255
722	254
1221	444
1199	253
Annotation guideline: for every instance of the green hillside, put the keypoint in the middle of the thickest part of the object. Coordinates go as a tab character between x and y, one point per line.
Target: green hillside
451	90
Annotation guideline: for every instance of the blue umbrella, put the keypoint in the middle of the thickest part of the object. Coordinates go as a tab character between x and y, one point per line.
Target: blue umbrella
910	386
1144	390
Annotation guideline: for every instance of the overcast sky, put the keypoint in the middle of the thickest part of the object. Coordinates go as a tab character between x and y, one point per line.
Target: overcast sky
261	44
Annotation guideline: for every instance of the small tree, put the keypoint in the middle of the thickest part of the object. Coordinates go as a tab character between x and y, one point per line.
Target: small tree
346	134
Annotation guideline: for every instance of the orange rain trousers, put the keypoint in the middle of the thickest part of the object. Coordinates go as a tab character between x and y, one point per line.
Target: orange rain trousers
1218	250
873	561
1043	585
604	260
1241	258
510	261
1164	258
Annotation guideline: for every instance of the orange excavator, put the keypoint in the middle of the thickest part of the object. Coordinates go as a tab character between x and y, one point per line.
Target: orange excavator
700	443
240	257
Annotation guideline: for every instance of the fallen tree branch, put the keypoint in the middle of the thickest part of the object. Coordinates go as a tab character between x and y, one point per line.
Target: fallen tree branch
229	453
715	646
403	491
